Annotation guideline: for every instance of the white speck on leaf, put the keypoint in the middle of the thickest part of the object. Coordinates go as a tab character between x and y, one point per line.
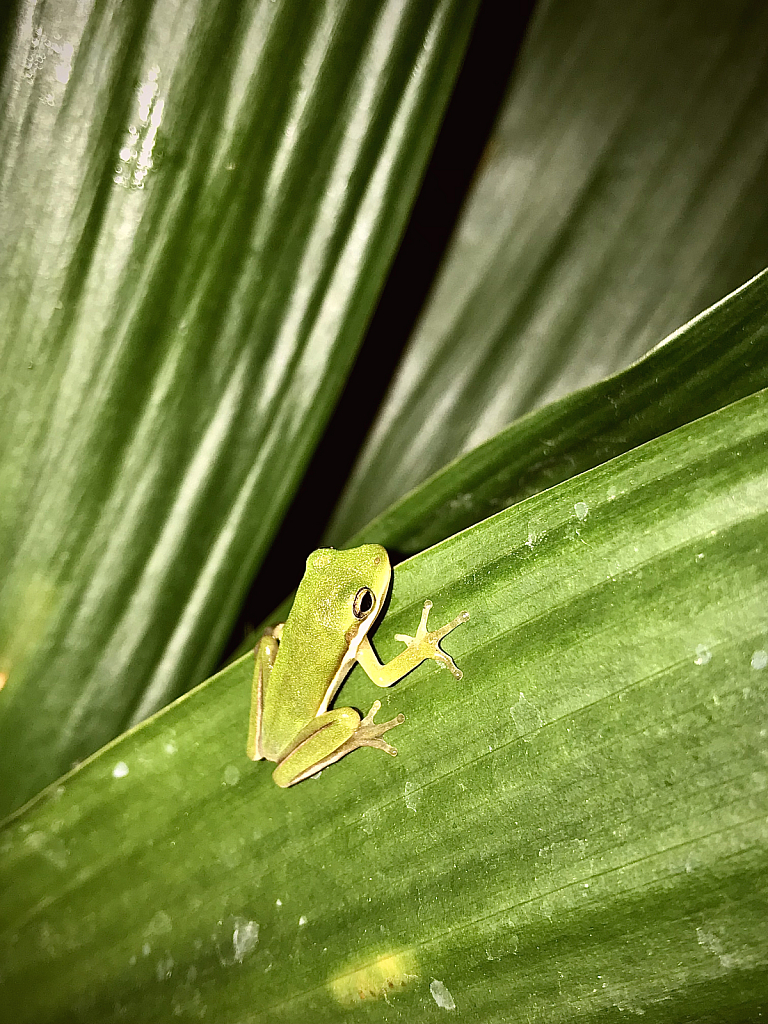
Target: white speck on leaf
441	995
368	820
527	716
302	921
161	924
759	660
581	509
170	748
461	502
278	903
164	968
48	846
230	854
244	938
231	775
120	770
146	949
691	863
709	941
714	944
412	796
703	655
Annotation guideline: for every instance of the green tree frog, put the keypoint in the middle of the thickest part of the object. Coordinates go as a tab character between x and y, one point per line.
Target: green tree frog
302	662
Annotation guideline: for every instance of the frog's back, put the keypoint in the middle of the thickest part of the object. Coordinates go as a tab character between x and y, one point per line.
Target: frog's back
318	642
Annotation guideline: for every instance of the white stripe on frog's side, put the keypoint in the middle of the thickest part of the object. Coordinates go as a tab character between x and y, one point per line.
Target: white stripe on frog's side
351	655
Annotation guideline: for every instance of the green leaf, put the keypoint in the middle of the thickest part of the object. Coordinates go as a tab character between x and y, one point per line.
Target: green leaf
622	192
576	831
198	205
719	357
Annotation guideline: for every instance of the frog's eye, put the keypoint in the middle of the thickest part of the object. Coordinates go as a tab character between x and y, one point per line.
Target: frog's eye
363	602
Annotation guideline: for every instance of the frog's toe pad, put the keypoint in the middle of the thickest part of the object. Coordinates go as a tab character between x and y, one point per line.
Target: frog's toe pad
446	661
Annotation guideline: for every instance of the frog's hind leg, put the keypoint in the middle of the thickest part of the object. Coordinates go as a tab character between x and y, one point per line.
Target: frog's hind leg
329	737
265	654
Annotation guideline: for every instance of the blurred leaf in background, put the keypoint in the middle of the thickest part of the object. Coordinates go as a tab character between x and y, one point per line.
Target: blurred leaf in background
623	190
719	357
198	205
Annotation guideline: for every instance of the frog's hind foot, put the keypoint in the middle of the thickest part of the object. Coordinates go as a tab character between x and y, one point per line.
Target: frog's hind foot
369	733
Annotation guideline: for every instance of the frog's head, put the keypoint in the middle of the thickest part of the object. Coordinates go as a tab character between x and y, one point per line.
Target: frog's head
350	586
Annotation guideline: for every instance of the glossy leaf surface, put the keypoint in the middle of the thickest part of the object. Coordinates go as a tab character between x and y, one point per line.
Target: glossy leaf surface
719	357
622	192
575	831
198	205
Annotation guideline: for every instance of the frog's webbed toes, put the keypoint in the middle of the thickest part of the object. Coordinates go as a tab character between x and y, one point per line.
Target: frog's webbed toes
439	655
369	733
426	643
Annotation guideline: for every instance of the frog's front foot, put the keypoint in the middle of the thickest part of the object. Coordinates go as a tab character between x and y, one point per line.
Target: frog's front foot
428	643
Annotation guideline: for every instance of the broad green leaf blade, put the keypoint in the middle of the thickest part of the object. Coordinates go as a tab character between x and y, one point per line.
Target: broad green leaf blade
198	205
623	191
575	832
719	357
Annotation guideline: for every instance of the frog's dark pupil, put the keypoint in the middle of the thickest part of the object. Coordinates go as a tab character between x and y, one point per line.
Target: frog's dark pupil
363	602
